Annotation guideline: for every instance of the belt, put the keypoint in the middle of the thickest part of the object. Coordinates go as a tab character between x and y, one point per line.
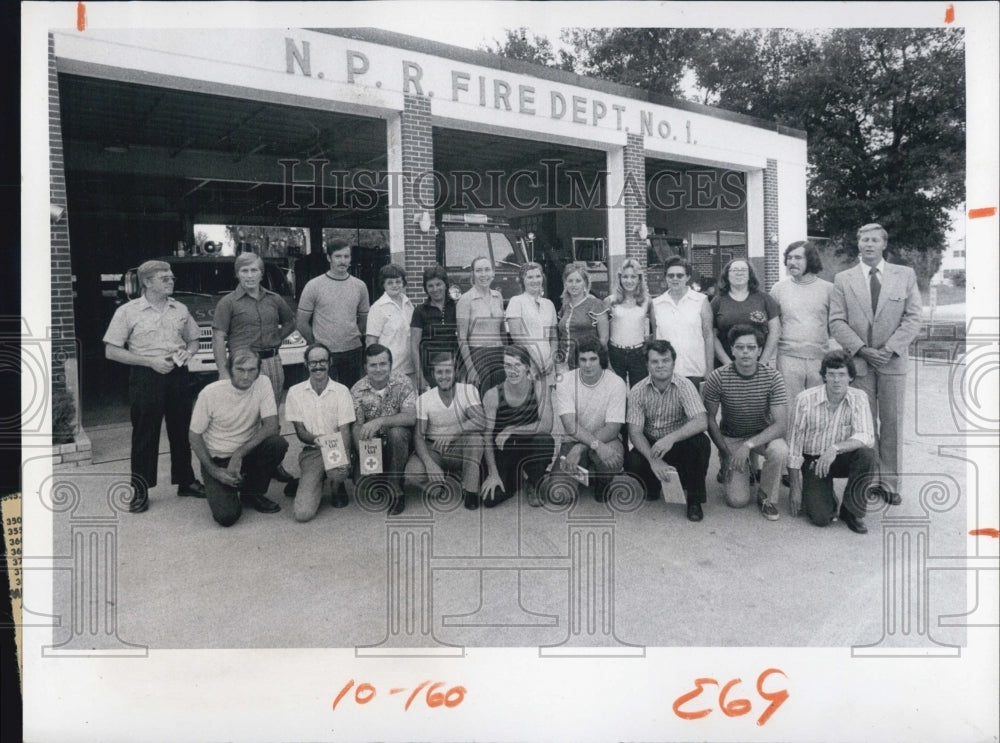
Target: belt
268	354
627	348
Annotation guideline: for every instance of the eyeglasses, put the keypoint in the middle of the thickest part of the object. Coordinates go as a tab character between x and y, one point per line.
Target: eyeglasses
317	364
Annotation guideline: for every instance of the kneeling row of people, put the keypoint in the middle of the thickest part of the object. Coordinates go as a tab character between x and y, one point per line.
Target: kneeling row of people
234	431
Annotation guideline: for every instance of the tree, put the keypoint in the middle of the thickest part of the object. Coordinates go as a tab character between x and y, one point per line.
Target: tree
884	111
536	49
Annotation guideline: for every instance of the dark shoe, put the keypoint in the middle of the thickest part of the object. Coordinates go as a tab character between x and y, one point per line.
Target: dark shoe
195	489
397	506
720	477
694	512
338	499
292	488
893	499
854	523
260	503
785	481
282	475
472	501
139	502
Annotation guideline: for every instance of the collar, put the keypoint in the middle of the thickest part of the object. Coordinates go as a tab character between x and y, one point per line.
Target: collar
144	303
386	299
239	292
866	270
649	383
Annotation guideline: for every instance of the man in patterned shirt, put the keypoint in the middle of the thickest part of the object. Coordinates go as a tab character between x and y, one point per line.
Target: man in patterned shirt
754	416
385	406
832	435
666	425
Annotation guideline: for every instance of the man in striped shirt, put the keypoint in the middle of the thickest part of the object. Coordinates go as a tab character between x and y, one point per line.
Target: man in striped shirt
666	425
832	435
754	417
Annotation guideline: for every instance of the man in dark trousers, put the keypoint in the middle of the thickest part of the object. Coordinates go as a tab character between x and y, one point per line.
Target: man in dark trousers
156	335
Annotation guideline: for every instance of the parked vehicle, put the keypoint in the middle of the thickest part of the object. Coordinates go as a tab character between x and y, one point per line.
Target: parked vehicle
593	251
658	249
201	282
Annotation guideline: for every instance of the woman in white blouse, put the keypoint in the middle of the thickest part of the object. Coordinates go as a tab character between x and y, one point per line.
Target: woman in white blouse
531	321
629	308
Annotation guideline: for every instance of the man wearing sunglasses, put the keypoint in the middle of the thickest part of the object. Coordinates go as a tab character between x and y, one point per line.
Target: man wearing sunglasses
155	335
683	317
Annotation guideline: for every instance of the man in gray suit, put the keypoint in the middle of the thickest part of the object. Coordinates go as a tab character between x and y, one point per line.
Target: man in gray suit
875	315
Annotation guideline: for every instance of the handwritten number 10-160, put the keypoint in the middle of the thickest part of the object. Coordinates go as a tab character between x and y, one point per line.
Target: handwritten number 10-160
433	698
731	707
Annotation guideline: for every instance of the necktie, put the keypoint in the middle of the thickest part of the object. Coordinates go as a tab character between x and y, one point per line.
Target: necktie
876	287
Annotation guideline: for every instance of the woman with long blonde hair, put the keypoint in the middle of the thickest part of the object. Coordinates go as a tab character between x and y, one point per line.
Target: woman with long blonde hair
628	307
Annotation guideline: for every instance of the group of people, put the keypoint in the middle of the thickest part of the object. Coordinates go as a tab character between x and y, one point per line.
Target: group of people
497	399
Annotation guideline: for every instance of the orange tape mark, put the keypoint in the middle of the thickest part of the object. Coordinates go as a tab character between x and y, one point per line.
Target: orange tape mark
949	14
985	533
81	16
986	211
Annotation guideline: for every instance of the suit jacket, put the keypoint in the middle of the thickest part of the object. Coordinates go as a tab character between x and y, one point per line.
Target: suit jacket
893	326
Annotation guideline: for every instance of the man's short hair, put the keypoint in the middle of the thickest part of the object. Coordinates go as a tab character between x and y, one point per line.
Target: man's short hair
377	349
240	355
874	227
149	269
334	245
390	271
592	345
437	271
520	353
248	259
738	331
676	260
813	262
660	346
313	347
441	357
838	359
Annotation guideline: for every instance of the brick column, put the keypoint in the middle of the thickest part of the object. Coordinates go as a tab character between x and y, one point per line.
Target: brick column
772	250
635	198
416	140
63	327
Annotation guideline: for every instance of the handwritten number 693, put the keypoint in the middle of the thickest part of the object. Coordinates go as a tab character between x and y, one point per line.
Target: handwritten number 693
733	707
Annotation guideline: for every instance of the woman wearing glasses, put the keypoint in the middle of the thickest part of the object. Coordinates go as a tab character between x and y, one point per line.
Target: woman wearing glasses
682	316
629	320
740	303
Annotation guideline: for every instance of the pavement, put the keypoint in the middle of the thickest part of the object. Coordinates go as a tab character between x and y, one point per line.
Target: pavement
612	578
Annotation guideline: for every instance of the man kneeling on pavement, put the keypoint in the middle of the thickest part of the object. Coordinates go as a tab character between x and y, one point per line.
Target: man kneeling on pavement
234	434
385	408
590	403
754	417
449	438
832	435
320	410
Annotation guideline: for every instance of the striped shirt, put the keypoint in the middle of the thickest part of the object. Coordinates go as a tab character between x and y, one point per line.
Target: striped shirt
817	425
746	401
660	413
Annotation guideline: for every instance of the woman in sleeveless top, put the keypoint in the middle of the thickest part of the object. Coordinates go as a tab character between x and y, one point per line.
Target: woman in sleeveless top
519	446
629	306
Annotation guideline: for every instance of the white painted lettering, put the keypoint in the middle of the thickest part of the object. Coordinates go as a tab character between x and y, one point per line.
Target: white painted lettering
619	110
459	81
526	99
579	109
293	55
646	123
501	92
558	105
412	73
598	112
663	129
357	64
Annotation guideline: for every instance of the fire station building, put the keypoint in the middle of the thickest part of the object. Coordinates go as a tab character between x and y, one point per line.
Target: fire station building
159	136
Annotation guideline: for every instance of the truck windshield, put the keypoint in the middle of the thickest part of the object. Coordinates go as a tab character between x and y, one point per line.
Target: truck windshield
461	248
503	249
213	277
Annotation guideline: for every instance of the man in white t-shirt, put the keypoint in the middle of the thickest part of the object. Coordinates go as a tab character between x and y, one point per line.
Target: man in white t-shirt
590	404
449	439
234	434
320	409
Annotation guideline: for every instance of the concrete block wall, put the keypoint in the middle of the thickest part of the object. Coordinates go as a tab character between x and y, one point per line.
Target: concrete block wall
418	190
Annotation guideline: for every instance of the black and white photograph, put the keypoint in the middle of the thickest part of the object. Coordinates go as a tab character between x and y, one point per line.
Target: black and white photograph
390	368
